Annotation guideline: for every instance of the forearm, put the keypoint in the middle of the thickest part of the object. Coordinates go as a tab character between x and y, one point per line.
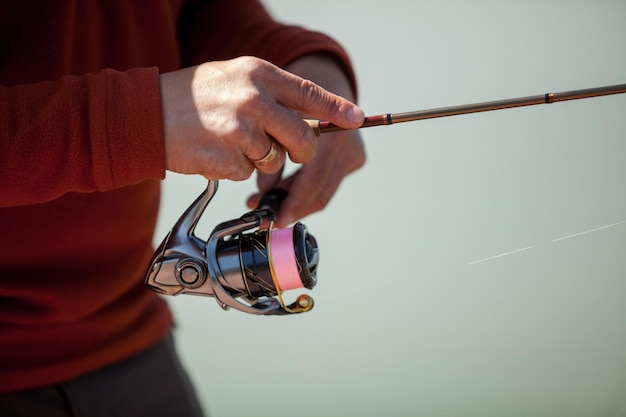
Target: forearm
79	134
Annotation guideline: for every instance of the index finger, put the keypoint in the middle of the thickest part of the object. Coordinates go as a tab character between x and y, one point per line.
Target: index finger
298	95
309	98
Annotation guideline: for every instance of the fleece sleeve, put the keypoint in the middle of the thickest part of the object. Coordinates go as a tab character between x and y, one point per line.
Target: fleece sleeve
85	133
226	29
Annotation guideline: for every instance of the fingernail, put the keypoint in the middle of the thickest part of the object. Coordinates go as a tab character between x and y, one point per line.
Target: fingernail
355	115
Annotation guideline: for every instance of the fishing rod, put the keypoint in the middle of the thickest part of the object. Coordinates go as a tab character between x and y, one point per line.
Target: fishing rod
247	267
320	127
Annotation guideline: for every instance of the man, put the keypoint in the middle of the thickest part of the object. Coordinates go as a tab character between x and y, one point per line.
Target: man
98	100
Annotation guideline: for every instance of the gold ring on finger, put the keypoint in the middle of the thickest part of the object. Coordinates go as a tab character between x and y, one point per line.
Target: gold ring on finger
268	158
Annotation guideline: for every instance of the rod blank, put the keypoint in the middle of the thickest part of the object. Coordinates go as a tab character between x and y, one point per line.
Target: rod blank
320	127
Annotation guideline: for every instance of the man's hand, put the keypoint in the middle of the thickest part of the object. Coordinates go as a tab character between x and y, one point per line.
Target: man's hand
221	116
340	153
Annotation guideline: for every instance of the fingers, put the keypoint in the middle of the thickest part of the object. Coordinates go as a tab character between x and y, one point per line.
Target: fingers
309	98
338	154
306	194
312	186
225	119
297	96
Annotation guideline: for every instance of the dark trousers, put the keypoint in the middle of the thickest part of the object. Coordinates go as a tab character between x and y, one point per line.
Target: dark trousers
150	384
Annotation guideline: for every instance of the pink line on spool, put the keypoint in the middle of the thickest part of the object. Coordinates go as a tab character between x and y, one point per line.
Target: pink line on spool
284	259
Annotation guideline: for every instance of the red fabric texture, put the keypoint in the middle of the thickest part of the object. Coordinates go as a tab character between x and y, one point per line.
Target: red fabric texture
81	156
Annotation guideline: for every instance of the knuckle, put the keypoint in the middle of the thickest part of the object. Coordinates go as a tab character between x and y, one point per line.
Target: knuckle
250	97
234	128
314	97
236	135
249	63
225	166
255	68
309	93
252	105
241	172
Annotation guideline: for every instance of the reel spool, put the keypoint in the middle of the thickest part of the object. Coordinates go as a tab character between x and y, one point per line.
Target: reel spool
242	268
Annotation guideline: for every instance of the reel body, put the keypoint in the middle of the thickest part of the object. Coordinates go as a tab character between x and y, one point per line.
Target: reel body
241	265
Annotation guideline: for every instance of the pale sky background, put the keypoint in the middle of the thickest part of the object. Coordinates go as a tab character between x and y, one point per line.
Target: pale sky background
476	266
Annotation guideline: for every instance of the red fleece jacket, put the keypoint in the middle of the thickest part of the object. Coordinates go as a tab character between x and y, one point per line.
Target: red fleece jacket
81	156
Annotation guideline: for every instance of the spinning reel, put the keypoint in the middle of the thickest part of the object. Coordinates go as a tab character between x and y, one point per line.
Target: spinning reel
242	268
